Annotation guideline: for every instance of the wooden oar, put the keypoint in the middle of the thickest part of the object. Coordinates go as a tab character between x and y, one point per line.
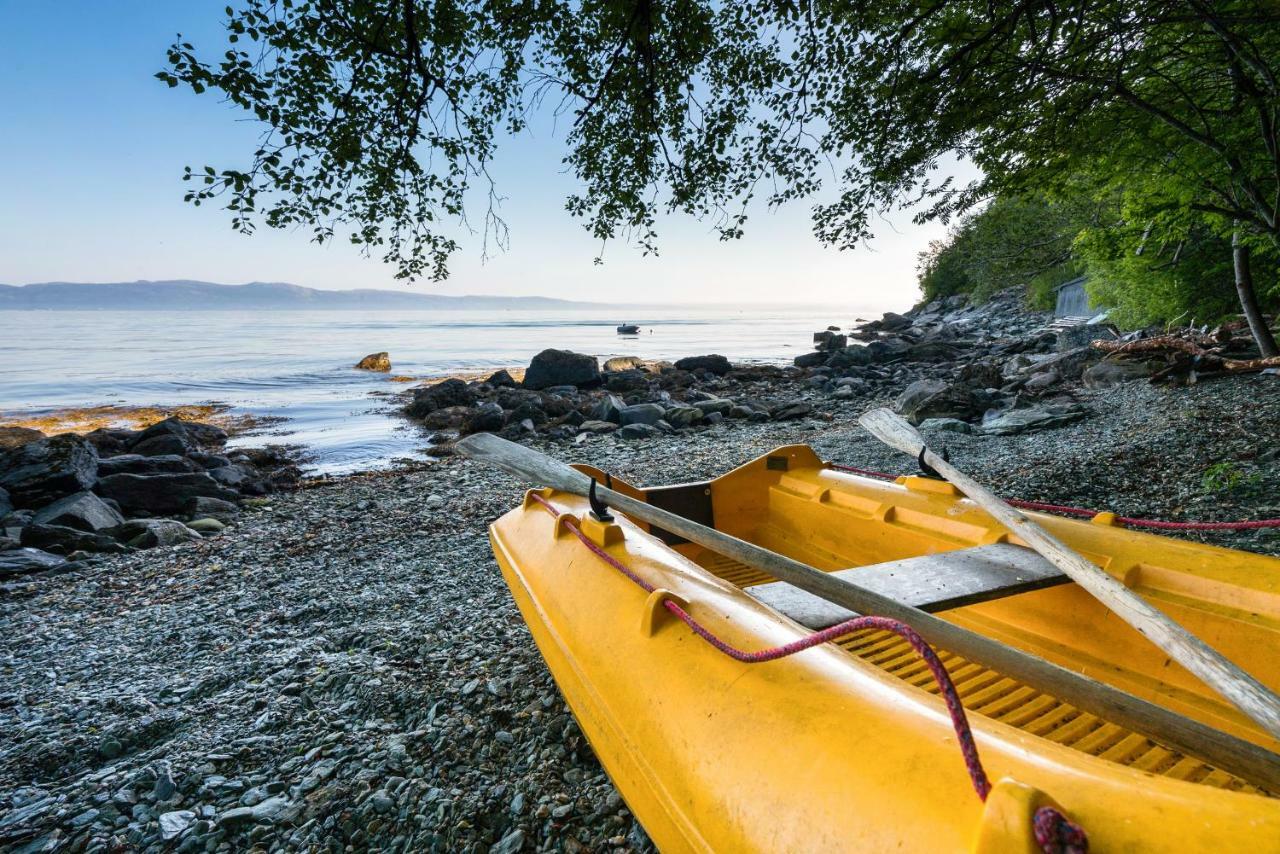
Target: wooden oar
1248	694
1233	755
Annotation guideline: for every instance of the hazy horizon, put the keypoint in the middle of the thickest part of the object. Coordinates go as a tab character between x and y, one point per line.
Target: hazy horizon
97	146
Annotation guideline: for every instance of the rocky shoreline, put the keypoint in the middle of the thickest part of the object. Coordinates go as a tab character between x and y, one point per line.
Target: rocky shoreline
343	666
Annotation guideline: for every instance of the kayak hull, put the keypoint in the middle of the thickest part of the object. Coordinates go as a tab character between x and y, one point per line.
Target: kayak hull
823	749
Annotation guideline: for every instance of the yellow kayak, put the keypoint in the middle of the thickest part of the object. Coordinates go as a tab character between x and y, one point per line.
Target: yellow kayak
848	745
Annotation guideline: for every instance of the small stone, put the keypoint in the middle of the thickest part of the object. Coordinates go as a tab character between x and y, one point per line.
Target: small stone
206	526
172	824
509	844
235	818
382	802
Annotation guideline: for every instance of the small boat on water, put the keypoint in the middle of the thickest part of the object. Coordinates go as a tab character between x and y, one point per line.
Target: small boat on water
628	329
848	745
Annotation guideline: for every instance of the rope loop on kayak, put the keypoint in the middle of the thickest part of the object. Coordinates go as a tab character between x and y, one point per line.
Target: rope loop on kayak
1068	510
1054	833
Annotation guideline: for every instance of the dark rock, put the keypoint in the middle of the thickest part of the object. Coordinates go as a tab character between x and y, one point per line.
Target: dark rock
597	426
47	469
488	417
21	561
1070	365
447	418
629	380
638	431
794	409
892	321
1041	381
165	444
925	399
161	493
640	413
849	357
811	360
1033	418
946	425
138	464
441	395
528	411
375	362
609	409
1108	374
202	459
501	379
675	379
202	507
888	349
714	363
16	437
64	540
236	476
194	434
981	375
683	416
715	405
83	511
562	367
149	533
6	506
932	351
112	441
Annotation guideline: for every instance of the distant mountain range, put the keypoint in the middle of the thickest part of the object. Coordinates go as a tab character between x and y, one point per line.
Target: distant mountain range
184	295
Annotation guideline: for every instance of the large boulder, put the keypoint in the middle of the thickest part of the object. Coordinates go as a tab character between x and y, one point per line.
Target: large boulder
683	416
888	349
925	399
609	408
641	413
16	437
849	357
138	464
63	540
811	360
714	363
43	471
441	395
22	561
488	417
562	367
375	362
111	441
501	379
892	321
1033	418
1107	374
83	511
161	494
628	380
174	436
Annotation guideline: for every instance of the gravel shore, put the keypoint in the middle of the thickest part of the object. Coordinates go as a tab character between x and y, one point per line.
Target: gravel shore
344	669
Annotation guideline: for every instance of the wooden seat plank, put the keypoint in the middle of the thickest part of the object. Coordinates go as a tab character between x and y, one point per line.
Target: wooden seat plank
933	582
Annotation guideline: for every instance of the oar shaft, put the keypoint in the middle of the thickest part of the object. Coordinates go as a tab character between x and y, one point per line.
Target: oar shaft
1246	693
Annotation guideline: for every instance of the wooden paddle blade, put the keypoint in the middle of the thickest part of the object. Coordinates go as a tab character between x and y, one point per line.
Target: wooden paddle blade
525	463
892	429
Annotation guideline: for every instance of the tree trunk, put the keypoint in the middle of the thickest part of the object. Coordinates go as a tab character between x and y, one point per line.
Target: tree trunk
1249	298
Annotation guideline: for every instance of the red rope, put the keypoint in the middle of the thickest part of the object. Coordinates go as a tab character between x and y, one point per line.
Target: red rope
1053	831
1127	521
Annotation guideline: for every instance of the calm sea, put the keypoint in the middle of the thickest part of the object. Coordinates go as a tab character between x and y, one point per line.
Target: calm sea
298	365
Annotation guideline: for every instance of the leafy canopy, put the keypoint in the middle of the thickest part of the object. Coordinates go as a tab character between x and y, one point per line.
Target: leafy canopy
382	116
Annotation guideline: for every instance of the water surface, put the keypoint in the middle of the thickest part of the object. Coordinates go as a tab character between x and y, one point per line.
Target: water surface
297	365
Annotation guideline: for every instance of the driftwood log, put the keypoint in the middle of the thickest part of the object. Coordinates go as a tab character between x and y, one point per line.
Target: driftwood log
1188	355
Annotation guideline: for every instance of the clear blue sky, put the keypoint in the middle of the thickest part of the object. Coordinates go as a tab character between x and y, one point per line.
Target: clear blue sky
92	148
